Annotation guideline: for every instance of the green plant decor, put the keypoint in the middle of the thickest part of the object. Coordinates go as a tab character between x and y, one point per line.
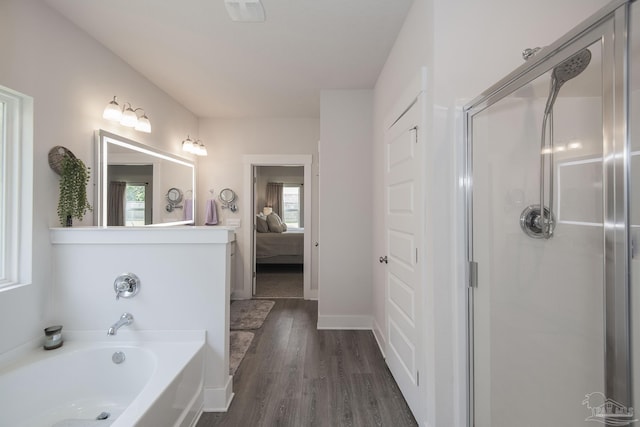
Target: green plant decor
73	201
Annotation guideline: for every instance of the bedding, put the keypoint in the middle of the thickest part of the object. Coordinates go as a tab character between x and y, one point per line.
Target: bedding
280	248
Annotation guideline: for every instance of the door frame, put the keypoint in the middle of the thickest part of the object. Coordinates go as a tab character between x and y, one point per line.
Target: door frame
609	24
250	161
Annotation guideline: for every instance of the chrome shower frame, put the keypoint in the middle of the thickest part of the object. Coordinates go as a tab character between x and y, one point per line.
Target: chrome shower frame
609	26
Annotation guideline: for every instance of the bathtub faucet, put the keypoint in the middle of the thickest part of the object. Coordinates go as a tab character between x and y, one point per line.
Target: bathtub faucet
125	320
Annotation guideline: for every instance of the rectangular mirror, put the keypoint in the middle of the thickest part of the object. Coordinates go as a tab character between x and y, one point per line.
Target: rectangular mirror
138	185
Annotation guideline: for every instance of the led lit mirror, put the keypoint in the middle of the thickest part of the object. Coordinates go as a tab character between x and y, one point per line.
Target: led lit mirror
133	181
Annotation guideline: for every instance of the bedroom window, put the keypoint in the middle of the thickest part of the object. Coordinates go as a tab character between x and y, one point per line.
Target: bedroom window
292	196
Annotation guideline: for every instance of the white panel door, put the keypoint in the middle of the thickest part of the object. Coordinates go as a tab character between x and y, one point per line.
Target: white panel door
404	225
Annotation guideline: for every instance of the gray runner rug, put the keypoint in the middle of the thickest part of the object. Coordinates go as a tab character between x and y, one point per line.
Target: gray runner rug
249	314
239	343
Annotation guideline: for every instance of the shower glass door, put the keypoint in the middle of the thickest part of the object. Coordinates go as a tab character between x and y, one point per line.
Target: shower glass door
542	306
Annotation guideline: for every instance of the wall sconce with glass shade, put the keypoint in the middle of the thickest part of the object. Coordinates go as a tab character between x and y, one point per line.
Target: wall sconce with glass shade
194	147
127	116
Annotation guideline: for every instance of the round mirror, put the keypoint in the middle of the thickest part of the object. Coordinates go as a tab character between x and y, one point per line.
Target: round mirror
174	196
227	195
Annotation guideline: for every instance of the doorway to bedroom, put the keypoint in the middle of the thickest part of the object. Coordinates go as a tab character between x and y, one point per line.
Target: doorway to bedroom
278	200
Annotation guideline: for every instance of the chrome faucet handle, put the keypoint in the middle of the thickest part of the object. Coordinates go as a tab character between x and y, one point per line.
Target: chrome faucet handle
126	285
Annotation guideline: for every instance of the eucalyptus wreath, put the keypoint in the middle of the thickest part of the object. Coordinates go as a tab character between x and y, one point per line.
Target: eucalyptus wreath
74	178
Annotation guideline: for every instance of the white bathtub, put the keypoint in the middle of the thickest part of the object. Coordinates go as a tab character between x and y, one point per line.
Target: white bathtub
158	384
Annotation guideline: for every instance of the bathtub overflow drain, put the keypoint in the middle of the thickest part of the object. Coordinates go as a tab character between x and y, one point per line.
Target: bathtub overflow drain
103	416
118	357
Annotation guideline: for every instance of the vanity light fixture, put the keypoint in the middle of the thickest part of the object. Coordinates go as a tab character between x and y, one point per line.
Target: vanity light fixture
194	147
127	116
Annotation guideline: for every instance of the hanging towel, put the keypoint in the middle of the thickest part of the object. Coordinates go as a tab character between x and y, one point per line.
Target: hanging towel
211	215
187	212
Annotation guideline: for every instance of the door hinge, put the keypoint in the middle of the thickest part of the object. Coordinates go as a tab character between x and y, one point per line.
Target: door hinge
473	274
416	255
254	274
417	378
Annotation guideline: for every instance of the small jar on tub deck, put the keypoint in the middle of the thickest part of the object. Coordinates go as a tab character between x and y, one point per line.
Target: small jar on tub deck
53	337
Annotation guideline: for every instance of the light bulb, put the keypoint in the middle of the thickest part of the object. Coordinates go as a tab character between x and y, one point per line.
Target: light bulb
187	145
129	118
112	111
143	124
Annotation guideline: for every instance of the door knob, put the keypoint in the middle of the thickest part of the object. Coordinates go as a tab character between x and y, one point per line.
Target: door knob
383	259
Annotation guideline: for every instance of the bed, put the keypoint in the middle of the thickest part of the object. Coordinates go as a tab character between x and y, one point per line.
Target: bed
280	248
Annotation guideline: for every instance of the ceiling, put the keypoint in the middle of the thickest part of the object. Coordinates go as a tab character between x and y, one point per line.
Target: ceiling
219	68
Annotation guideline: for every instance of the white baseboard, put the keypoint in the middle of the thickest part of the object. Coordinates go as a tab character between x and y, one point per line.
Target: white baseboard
240	294
218	399
380	339
312	294
345	322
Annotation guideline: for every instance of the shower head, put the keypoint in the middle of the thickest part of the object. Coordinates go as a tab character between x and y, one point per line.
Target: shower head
564	72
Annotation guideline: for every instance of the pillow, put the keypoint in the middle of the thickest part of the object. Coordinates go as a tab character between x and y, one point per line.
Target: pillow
284	227
261	224
275	223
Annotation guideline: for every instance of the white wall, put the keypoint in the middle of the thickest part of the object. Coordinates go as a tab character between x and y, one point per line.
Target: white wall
345	209
466	47
71	78
228	140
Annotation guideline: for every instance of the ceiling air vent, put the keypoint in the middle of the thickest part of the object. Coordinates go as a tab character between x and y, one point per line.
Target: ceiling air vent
245	10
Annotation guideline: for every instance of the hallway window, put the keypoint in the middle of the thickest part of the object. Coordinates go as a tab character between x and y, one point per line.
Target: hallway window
16	187
292	195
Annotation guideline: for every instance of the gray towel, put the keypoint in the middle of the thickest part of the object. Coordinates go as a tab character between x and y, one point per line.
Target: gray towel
211	215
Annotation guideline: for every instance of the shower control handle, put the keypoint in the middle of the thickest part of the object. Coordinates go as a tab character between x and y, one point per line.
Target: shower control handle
126	285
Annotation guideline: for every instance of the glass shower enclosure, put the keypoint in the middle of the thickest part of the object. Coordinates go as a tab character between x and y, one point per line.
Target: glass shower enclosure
551	289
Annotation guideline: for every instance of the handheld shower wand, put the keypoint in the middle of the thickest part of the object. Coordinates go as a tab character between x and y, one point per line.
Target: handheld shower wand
538	221
563	72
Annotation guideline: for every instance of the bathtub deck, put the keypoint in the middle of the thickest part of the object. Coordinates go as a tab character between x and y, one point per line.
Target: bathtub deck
295	375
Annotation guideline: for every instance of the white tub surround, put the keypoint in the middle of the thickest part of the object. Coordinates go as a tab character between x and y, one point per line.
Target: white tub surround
184	285
158	383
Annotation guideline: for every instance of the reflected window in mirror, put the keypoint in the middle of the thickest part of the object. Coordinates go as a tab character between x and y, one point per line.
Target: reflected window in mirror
137	213
122	168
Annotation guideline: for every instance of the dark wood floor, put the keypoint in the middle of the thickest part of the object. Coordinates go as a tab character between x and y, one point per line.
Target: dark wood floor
295	375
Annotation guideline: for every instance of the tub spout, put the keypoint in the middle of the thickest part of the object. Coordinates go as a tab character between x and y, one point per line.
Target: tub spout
125	319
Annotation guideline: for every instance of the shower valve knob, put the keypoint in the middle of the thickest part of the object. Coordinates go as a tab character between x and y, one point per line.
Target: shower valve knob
126	285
